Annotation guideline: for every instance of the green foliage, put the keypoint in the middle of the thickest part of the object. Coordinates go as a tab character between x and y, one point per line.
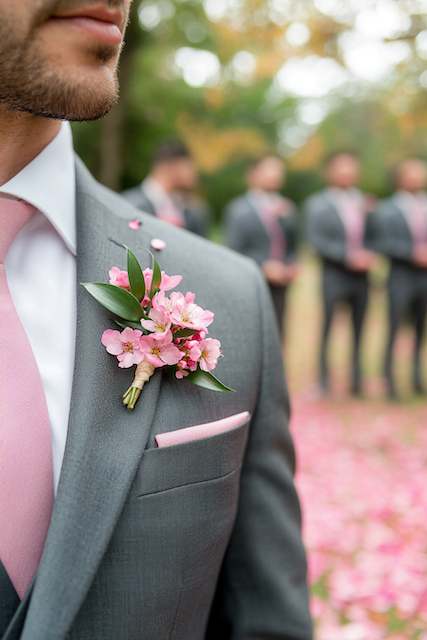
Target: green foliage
136	277
208	381
119	301
382	122
157	277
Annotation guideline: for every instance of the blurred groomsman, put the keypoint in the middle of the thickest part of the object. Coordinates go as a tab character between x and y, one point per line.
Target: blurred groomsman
339	229
173	174
262	225
402	237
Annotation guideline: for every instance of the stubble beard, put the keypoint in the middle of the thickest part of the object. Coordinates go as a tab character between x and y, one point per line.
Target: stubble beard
30	83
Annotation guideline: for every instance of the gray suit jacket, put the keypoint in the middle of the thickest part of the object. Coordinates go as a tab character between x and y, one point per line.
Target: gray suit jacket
194	220
246	234
196	541
326	231
393	237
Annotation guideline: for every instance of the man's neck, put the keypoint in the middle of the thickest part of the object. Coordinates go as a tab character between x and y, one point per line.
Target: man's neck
22	138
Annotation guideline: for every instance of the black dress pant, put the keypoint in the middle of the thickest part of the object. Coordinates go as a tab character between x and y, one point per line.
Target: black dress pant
279	295
342	286
407	299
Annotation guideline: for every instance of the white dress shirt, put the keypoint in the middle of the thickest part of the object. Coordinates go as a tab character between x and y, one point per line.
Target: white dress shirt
165	206
41	272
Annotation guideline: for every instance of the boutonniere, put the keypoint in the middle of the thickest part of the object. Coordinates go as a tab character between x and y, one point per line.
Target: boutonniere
157	327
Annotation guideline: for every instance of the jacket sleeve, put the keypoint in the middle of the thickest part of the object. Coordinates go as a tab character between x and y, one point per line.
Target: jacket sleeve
262	590
326	241
198	222
236	231
388	238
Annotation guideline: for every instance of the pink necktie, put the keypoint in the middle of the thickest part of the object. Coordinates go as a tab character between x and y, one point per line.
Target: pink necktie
271	209
354	221
418	220
26	481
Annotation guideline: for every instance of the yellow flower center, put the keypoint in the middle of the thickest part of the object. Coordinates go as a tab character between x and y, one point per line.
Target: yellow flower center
128	347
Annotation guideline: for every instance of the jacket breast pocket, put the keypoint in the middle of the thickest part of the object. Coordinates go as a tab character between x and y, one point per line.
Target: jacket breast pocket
168	468
183	508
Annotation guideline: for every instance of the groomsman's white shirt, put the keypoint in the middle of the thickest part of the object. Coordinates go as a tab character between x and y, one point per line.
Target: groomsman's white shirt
41	272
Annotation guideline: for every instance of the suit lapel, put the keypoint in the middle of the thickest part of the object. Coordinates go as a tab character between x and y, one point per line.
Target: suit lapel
402	214
257	217
104	443
333	207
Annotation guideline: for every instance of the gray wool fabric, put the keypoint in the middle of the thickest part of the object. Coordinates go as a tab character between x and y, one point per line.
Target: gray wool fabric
246	233
325	229
200	540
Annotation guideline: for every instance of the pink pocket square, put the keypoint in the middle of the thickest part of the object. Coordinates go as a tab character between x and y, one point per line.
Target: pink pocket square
202	431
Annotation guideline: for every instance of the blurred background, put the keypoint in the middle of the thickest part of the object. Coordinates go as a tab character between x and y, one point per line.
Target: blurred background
234	78
302	78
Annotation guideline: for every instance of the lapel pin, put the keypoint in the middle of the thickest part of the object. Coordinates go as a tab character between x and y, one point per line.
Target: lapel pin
157	244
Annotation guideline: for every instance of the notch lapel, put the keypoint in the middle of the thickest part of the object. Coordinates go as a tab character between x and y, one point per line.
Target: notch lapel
257	217
333	207
104	443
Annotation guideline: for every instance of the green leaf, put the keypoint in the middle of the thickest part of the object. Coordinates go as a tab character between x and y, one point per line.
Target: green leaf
119	301
136	276
207	381
126	324
157	276
184	333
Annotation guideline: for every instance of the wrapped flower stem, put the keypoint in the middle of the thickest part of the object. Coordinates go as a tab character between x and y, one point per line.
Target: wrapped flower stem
143	373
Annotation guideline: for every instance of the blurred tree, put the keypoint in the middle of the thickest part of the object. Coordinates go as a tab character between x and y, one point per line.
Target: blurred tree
219	74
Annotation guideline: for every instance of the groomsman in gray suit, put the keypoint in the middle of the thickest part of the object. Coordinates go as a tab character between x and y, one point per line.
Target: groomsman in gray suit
339	229
401	235
105	534
261	224
172	176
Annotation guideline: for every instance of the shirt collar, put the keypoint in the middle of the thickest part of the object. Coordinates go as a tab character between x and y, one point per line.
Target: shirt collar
154	189
48	183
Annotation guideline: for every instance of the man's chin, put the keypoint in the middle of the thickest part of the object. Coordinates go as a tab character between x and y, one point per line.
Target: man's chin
76	101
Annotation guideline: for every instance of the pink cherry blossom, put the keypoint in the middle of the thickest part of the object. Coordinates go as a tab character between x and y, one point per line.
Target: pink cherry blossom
210	353
167	282
160	352
126	345
186	314
119	278
159	322
182	371
193	350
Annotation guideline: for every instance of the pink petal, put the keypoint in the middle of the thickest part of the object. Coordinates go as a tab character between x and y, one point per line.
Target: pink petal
111	341
157	244
171	355
135	224
148	324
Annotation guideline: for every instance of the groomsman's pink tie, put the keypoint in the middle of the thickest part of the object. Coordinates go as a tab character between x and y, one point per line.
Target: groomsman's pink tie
418	220
271	209
26	479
